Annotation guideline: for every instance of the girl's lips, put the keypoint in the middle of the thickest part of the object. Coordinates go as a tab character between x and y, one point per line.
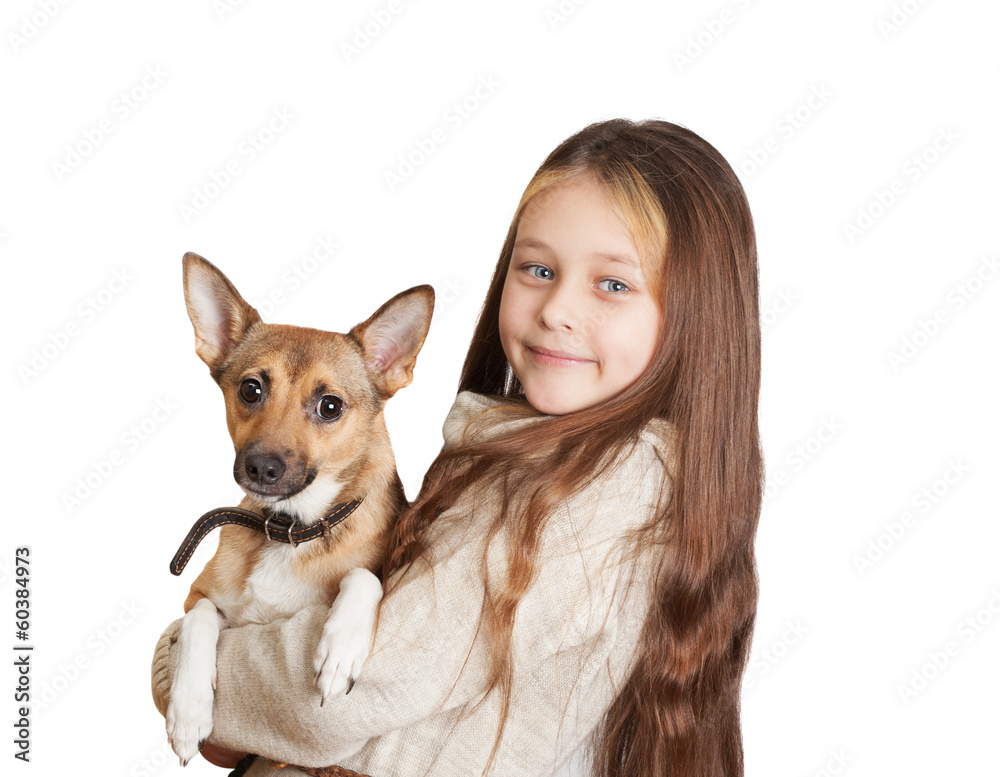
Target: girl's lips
555	358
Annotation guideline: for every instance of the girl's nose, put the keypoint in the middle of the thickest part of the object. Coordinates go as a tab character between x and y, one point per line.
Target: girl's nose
560	308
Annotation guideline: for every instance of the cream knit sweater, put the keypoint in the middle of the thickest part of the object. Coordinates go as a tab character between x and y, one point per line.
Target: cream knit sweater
413	711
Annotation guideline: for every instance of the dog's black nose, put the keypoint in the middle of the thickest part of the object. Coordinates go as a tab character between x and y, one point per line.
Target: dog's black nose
264	470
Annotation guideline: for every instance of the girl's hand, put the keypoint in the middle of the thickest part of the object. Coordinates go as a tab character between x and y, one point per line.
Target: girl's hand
220	756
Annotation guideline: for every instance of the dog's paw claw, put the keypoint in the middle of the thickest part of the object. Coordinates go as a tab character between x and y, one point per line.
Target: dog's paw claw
337	666
347	635
189	724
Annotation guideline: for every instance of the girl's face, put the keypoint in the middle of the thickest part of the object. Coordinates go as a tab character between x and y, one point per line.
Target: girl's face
578	322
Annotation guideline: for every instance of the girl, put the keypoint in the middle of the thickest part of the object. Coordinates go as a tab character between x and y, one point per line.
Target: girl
578	567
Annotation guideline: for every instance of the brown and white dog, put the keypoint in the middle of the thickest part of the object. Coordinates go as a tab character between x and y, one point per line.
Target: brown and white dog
305	410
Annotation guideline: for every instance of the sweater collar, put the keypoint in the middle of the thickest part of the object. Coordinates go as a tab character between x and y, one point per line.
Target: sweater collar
482	416
471	407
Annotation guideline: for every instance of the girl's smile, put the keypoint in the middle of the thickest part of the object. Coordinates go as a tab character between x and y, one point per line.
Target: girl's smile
556	358
578	322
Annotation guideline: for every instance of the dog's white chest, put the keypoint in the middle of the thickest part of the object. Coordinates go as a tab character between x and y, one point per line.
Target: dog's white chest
273	590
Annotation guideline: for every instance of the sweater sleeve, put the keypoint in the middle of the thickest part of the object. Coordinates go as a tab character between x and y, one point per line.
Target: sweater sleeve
427	634
430	654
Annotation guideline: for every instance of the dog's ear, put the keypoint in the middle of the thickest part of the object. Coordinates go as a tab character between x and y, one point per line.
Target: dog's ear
219	314
393	336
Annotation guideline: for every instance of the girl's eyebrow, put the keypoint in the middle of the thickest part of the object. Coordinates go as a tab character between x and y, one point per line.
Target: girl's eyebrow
533	242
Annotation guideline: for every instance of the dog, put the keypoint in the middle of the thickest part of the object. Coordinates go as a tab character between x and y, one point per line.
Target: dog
304	408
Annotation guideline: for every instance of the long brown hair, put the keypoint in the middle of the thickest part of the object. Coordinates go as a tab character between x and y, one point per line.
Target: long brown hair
678	713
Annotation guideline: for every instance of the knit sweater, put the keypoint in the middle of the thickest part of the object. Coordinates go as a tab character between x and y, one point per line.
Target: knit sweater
418	706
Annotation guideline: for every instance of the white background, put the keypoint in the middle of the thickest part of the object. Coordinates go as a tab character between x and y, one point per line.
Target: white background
871	457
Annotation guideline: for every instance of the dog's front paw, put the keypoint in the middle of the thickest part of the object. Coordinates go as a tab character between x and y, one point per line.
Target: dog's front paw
189	718
347	634
342	652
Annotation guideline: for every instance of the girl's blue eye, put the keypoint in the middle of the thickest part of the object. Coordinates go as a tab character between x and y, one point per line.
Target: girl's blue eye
615	286
537	271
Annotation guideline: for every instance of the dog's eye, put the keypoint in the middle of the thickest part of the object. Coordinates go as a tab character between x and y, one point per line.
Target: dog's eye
250	390
330	407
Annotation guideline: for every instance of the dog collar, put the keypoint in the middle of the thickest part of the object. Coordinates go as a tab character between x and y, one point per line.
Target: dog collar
280	528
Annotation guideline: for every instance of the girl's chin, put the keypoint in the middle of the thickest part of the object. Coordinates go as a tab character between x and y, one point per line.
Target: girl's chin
556	400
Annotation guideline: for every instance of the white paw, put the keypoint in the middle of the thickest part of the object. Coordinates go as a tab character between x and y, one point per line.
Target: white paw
347	634
189	713
189	718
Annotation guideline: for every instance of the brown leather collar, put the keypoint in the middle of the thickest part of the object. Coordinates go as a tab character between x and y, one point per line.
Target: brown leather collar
280	528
